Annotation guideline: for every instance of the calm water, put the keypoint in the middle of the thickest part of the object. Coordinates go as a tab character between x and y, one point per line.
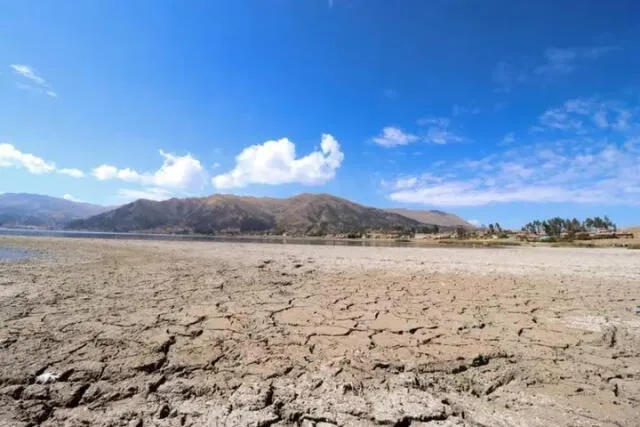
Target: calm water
179	237
10	254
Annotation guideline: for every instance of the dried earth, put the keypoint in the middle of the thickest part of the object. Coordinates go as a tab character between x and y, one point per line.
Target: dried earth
142	333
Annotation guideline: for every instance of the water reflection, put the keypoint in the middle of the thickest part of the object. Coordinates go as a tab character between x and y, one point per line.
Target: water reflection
11	254
191	238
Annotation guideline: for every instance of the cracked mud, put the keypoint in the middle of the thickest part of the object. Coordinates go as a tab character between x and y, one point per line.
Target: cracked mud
135	333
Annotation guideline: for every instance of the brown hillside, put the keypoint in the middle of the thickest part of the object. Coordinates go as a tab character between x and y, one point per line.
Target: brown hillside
305	214
442	219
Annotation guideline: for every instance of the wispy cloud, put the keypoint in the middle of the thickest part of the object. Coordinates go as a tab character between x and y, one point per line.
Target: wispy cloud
70	198
592	162
390	93
149	193
35	82
563	61
72	172
438	131
505	76
393	137
509	138
459	110
586	115
555	62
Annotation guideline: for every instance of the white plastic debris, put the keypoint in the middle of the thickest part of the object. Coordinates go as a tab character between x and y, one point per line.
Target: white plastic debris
47	377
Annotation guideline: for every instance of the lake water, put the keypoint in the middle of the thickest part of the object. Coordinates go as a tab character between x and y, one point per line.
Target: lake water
183	237
10	254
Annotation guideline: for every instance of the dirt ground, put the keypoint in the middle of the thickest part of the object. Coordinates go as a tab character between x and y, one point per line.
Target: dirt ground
148	333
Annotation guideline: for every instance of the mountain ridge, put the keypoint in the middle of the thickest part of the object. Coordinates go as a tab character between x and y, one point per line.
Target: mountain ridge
303	214
438	217
37	210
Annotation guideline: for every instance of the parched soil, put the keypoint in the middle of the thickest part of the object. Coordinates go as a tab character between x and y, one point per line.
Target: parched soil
147	333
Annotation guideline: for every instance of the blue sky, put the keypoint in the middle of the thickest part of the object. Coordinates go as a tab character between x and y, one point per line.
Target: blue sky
498	111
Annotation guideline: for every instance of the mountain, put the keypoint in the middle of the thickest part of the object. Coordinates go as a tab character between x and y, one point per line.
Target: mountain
439	218
305	214
35	210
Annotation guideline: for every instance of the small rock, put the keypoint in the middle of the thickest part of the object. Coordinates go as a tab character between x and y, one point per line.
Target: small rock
393	407
136	422
252	396
164	411
35	392
47	377
14	391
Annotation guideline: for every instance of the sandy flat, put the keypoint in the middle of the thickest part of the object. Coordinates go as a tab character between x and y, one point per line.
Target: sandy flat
141	333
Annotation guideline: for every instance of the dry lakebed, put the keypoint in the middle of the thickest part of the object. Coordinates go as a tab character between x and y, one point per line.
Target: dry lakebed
161	333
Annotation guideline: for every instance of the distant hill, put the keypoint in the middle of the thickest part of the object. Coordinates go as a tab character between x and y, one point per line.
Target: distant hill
439	218
34	210
305	214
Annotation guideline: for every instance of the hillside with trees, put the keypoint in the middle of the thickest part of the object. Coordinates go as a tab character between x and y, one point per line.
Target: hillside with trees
557	226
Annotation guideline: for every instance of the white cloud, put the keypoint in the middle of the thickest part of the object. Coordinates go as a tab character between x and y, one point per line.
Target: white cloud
474	222
442	136
28	73
393	137
274	162
150	193
438	131
74	173
559	62
598	163
462	193
459	110
37	83
506	76
406	183
509	138
70	198
579	116
600	119
177	172
563	61
10	156
556	62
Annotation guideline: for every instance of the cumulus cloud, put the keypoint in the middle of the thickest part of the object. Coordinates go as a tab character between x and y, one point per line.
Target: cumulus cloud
72	172
10	156
474	222
177	172
393	137
35	82
274	162
591	163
